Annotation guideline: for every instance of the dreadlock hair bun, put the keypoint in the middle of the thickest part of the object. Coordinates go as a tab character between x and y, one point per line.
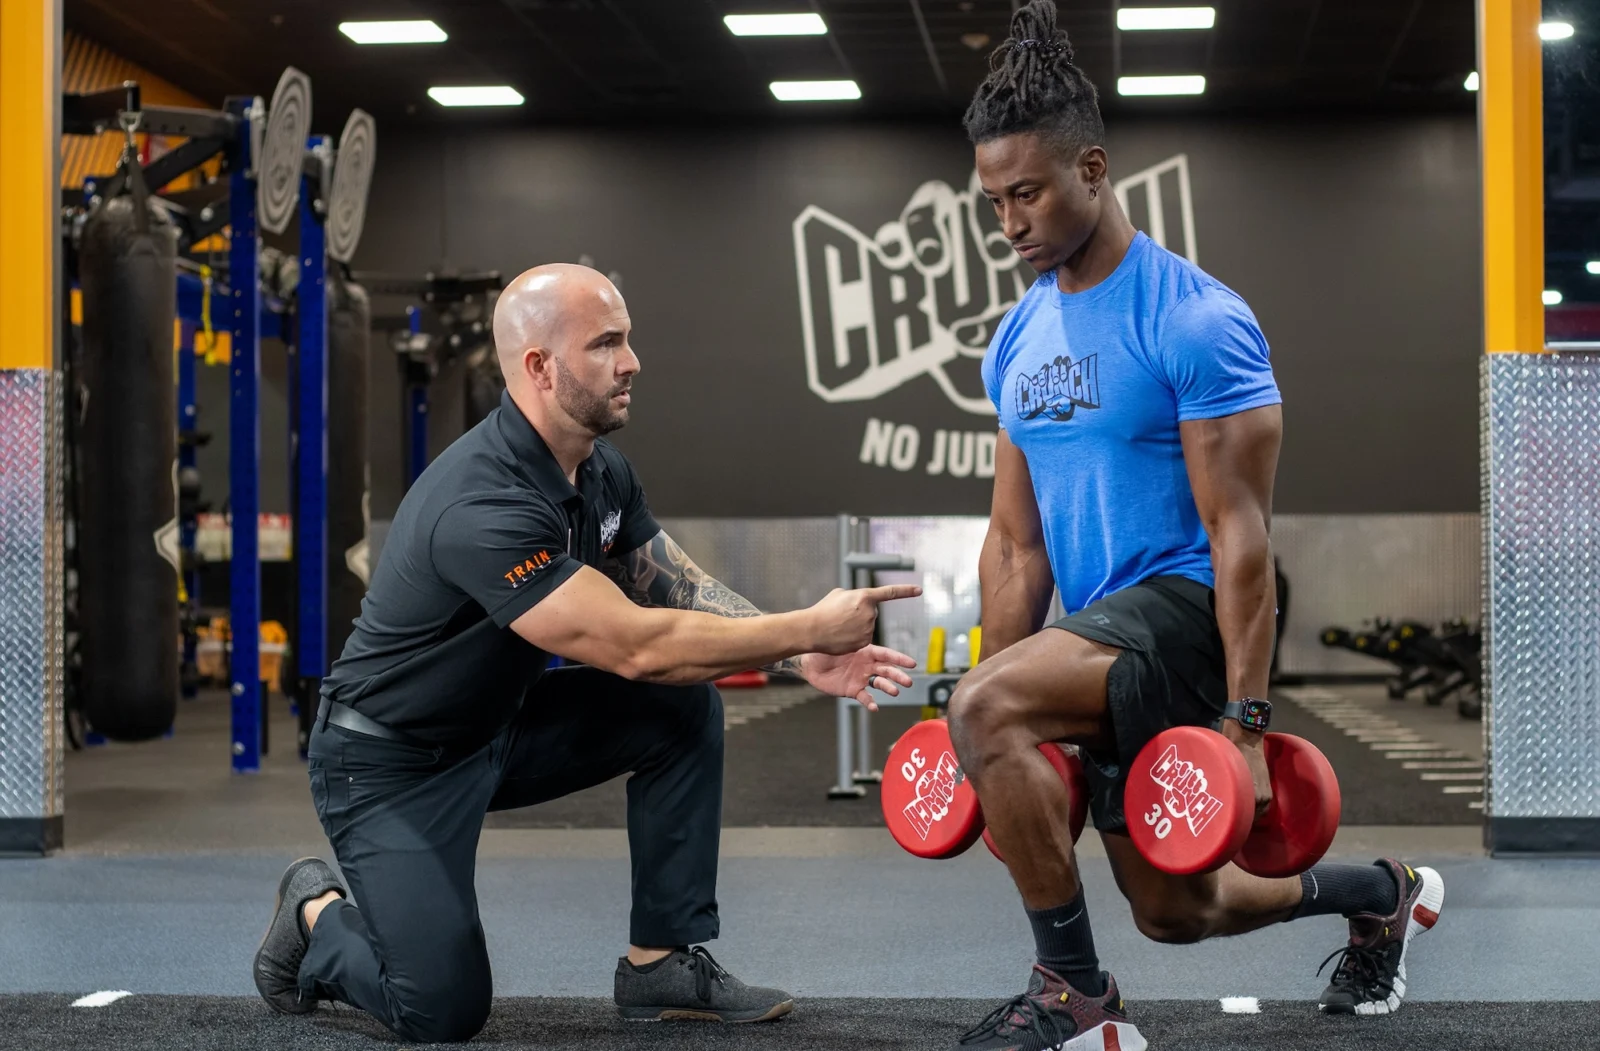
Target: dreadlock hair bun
1033	86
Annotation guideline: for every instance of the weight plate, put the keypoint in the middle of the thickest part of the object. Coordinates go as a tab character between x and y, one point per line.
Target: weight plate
352	175
930	807
283	150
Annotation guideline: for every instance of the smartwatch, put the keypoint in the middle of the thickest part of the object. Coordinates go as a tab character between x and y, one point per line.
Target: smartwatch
1250	713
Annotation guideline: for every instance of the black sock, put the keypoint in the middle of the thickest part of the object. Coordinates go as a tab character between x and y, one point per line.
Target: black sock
1065	944
1344	890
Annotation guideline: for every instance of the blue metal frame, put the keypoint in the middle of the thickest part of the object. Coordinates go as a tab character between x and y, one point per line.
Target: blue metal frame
417	425
311	446
191	289
244	481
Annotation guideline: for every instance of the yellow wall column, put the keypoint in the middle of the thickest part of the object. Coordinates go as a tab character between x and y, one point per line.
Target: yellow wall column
1511	138
30	138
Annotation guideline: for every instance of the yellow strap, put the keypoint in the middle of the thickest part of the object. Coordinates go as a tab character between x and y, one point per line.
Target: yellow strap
209	345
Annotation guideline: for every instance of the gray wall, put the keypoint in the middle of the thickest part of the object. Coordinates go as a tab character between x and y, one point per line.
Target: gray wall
1356	243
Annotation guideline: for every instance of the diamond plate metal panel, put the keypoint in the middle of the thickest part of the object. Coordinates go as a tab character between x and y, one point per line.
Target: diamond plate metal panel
30	594
776	563
1345	569
1543	549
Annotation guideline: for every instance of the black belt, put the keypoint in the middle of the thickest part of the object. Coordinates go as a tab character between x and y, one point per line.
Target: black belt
350	719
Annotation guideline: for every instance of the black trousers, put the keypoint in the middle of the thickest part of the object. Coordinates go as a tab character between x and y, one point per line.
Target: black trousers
408	947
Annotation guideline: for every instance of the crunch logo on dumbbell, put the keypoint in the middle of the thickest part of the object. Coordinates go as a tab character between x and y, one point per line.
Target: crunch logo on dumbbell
935	789
1184	791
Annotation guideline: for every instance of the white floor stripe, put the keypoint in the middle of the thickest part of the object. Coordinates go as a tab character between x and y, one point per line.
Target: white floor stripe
101	999
1241	1005
1475	804
1395	740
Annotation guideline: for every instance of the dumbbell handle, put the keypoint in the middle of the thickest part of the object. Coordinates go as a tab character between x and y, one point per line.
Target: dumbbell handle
872	560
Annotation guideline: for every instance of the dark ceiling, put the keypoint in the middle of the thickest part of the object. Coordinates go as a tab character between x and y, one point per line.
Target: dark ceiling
669	59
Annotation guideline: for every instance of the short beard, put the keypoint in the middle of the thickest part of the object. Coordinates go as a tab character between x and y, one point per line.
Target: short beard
591	411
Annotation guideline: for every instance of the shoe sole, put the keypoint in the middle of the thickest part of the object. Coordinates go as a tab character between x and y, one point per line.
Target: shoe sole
277	907
1424	914
681	1014
1107	1036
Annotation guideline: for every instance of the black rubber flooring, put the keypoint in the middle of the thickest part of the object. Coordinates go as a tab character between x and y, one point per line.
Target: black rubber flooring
173	1023
779	767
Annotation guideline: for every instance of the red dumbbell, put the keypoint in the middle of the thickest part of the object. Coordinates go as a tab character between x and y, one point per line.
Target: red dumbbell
1190	804
928	803
1070	767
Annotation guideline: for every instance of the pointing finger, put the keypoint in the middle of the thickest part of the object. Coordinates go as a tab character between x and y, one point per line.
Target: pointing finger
891	592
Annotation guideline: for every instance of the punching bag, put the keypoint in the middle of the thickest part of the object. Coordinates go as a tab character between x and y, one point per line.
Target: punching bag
127	489
349	347
483	384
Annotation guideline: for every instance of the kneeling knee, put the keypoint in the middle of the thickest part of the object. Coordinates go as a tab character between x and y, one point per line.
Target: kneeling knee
1170	927
704	722
450	1017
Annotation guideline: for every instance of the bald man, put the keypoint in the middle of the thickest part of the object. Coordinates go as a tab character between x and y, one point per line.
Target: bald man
528	537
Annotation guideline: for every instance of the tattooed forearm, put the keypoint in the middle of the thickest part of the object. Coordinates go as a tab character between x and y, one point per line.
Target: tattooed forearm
660	574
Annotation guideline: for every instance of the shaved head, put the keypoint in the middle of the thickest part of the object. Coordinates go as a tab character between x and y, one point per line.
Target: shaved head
540	306
561	336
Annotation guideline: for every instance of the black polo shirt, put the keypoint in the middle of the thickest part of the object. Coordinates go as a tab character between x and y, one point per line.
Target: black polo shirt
490	528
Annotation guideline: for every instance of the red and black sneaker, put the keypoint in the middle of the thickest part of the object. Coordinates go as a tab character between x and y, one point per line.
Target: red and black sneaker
1053	1016
1370	977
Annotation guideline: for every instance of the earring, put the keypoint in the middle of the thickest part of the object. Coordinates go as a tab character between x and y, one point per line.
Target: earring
1094	191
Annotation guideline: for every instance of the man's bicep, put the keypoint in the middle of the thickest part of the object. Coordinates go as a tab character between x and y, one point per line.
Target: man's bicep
586	619
506	556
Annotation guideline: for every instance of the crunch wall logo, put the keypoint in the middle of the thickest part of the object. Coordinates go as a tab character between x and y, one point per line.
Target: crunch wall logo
923	295
527	569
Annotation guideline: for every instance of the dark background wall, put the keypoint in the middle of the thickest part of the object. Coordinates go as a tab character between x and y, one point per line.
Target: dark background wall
1356	243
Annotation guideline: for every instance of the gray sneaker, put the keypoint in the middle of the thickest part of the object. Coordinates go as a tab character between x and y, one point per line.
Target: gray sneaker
277	964
693	986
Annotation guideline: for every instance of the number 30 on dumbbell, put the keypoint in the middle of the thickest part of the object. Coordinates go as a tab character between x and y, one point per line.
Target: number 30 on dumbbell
930	806
1189	801
1190	804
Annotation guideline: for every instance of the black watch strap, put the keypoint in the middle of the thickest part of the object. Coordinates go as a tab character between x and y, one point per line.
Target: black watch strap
1250	713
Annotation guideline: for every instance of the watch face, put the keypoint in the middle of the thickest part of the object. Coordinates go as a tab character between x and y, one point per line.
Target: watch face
1256	714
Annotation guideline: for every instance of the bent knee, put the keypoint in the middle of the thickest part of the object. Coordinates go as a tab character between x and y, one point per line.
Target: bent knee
1171	926
703	714
449	1016
986	721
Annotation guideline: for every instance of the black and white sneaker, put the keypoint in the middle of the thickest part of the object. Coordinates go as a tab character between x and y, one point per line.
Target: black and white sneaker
691	986
277	962
1370	977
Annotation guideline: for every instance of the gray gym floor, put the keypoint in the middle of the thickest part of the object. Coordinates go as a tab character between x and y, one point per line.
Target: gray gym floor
168	878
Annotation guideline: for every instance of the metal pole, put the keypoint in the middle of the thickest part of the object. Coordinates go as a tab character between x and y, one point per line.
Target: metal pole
864	771
416	408
311	454
188	526
845	787
244	572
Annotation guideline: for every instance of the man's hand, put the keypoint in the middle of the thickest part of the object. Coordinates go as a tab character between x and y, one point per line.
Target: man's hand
1250	747
844	621
847	675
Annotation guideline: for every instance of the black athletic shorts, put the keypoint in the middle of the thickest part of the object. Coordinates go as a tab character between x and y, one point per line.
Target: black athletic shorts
1170	673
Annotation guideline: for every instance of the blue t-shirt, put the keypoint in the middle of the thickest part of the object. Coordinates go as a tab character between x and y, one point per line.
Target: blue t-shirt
1092	385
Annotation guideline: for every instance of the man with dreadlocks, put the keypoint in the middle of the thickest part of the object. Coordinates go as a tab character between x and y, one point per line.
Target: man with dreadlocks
1140	426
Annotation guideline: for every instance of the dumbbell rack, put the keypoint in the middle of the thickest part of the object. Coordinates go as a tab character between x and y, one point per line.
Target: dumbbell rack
857	562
